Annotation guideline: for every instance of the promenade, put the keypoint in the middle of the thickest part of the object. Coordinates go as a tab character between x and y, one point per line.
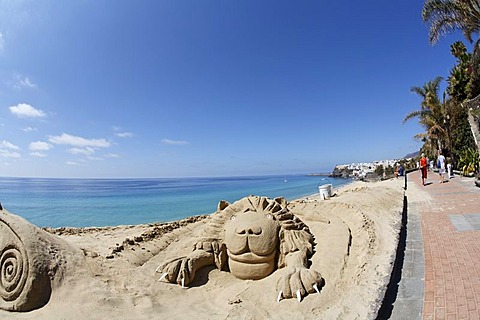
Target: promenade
444	219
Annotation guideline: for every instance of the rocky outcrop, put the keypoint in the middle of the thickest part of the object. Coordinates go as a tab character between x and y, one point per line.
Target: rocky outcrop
472	106
341	172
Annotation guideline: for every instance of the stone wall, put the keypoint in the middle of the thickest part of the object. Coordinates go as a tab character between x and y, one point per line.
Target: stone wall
474	106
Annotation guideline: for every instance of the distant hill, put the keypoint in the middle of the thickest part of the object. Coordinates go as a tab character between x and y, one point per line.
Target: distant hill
412	155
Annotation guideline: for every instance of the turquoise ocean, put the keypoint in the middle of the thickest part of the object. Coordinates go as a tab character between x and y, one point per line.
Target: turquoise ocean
111	202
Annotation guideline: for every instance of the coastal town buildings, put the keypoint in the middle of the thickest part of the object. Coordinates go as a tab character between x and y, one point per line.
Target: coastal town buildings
362	170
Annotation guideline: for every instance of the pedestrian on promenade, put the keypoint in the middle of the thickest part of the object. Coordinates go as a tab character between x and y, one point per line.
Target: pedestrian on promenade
423	168
441	166
449	170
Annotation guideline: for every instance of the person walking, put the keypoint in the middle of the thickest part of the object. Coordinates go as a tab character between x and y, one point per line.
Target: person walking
441	166
449	170
423	168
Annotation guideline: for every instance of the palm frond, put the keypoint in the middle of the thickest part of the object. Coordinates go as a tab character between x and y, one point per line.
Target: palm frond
413	114
446	16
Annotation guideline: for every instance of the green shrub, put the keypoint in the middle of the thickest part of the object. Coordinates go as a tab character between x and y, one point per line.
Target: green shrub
468	162
379	170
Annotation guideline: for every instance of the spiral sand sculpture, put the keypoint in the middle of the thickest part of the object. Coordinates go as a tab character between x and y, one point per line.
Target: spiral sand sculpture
32	263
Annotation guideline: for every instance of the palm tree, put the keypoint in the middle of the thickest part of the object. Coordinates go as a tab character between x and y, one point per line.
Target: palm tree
460	75
432	115
445	16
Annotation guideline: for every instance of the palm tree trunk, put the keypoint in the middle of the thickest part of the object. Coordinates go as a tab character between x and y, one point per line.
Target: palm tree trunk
474	105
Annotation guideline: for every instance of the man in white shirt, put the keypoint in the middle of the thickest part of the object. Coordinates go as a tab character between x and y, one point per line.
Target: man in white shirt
441	166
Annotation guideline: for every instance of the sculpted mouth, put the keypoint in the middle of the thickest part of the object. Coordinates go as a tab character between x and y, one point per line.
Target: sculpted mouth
250	257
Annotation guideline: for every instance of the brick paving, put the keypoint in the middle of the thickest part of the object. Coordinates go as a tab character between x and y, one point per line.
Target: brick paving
452	251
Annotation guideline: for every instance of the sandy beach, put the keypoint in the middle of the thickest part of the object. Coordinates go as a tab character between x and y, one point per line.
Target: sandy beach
355	237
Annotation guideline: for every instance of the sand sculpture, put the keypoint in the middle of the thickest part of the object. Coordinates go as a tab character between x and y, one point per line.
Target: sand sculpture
106	273
252	238
32	263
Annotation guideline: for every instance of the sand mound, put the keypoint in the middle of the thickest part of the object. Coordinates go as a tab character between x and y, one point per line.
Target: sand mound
355	236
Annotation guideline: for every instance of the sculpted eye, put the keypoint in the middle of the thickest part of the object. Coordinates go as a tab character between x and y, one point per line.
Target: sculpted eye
233	218
269	216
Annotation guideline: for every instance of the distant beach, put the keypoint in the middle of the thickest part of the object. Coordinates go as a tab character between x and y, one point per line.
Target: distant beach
112	202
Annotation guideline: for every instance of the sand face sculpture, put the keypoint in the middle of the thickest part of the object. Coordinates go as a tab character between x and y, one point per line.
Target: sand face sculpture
252	238
32	263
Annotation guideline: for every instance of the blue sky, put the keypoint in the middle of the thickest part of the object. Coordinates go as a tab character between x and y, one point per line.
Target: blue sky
175	88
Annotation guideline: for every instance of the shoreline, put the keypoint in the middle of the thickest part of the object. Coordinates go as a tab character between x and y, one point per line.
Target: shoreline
75	230
125	235
87	203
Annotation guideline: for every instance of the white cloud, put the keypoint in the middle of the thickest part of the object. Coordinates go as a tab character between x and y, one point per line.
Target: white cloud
40	146
174	142
2	42
8	145
29	129
85	151
72	163
124	134
9	154
119	132
7	150
24	110
112	155
23	82
38	154
80	142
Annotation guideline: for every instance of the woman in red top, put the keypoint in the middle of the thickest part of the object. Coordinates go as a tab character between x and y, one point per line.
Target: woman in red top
423	167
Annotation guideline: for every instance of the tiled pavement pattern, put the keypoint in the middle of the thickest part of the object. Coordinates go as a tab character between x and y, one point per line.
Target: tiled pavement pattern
451	235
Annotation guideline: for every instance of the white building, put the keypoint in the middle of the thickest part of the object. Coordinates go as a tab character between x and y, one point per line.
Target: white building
360	170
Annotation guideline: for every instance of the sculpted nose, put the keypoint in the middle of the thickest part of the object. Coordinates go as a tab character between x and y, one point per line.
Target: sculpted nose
249	231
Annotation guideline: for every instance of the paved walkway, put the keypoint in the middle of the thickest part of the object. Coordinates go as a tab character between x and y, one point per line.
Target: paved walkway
409	272
450	226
